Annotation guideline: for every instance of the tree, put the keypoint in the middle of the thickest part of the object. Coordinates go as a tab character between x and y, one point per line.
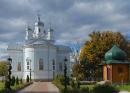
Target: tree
13	81
27	79
78	72
65	77
8	76
99	43
17	81
3	68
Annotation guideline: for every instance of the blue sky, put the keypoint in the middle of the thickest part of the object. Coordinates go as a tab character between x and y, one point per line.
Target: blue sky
72	20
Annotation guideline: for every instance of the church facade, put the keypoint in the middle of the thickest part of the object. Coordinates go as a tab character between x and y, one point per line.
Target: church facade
39	58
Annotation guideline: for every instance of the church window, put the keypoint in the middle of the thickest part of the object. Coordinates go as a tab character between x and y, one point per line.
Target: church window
28	61
39	30
41	64
60	66
53	64
28	67
19	66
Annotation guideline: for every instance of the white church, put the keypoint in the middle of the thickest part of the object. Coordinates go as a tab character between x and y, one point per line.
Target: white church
39	57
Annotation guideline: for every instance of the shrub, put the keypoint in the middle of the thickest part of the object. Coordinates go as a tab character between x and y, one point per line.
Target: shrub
104	89
75	84
85	90
72	83
13	80
59	81
6	85
71	91
27	79
17	81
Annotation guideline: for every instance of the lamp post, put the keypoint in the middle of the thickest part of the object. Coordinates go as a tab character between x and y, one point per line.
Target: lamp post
30	70
65	74
53	61
8	77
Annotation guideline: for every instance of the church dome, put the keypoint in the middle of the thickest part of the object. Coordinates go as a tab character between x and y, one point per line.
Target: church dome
115	53
39	23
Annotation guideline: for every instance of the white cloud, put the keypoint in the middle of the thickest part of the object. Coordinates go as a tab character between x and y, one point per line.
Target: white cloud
98	8
24	4
72	20
3	45
9	36
13	23
16	23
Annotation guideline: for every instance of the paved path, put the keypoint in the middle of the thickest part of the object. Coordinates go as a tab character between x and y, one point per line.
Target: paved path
40	87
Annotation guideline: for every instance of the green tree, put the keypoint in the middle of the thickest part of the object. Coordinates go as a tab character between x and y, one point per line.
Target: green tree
13	81
27	79
65	77
78	72
100	42
95	49
17	81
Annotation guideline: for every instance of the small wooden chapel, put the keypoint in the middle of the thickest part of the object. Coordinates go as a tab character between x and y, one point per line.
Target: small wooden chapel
116	66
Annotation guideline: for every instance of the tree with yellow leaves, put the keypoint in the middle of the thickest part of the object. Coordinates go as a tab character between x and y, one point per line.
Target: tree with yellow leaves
99	43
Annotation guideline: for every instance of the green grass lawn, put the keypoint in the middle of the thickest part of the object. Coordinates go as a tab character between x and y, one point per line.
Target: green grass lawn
15	87
1	85
123	87
87	86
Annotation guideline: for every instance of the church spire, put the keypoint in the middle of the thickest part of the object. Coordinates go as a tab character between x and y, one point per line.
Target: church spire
29	32
50	28
38	17
39	27
50	33
28	28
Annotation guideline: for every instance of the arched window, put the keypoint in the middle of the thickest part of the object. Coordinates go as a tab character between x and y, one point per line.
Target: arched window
60	67
28	62
41	66
19	66
53	64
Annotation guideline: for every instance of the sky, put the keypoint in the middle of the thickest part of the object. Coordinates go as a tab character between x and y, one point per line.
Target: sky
72	20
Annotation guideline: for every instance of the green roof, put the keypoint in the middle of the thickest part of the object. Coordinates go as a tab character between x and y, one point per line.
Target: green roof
115	62
115	53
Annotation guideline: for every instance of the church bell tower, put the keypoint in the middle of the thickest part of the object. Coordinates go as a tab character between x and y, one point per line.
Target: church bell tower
50	35
29	33
39	28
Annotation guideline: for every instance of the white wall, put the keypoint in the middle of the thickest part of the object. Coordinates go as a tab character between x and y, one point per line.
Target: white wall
48	53
28	53
17	56
44	52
